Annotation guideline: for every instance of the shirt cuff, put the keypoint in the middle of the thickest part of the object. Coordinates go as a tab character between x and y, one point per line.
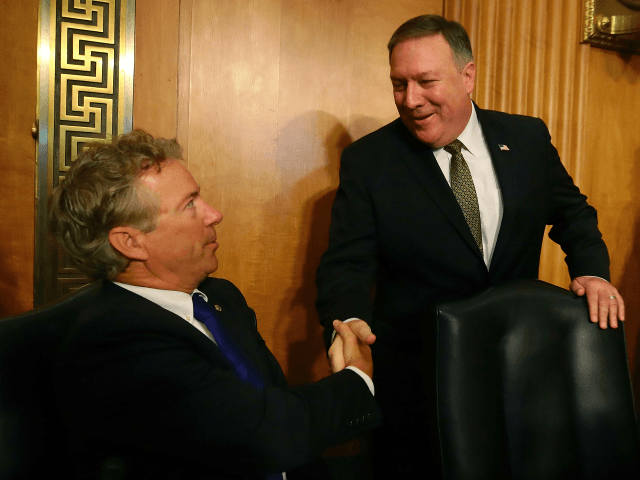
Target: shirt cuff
365	377
333	335
588	276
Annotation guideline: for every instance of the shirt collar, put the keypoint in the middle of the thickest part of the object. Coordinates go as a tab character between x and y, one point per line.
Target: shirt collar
176	302
471	136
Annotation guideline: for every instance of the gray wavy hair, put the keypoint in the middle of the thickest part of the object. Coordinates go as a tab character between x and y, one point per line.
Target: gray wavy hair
100	192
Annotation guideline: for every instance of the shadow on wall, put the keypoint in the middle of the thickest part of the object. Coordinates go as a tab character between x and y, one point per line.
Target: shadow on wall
630	284
316	138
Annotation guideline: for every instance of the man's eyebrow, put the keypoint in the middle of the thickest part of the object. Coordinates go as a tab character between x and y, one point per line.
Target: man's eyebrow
422	74
190	195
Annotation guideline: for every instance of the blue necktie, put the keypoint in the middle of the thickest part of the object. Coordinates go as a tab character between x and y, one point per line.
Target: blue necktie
243	367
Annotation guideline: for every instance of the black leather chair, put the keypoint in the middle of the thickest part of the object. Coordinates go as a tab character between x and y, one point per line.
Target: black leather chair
32	436
528	388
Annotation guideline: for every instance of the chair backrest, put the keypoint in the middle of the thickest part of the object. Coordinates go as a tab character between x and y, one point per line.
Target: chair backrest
528	388
33	443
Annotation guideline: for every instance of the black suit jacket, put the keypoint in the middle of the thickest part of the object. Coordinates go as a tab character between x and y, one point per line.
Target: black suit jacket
399	237
146	395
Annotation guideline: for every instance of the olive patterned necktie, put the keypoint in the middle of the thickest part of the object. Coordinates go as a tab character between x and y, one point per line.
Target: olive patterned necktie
464	190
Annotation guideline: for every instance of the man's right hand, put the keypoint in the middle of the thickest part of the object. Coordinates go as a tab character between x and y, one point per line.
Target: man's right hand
348	349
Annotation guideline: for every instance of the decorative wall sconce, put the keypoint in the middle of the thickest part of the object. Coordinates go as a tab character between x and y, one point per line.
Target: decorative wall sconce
612	24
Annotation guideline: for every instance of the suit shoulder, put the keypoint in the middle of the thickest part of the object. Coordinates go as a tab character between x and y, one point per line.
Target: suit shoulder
112	300
117	310
222	291
219	286
380	138
511	121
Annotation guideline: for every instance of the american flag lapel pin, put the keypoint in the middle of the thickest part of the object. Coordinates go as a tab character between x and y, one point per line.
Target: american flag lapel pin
503	148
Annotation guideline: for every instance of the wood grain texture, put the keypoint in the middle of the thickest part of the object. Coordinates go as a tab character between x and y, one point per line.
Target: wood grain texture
612	175
530	62
275	90
155	93
18	84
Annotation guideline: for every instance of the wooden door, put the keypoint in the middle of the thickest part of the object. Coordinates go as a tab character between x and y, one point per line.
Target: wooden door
18	91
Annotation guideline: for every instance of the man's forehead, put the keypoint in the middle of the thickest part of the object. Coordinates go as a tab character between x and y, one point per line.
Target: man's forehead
172	185
434	44
152	175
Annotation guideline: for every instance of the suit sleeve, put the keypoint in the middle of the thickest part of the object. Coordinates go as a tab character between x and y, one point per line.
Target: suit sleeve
346	274
146	389
574	223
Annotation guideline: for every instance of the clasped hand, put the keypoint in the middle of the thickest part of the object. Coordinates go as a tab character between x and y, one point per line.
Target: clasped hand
351	346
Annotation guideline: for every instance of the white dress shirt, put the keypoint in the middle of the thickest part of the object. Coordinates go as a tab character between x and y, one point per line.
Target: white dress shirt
476	153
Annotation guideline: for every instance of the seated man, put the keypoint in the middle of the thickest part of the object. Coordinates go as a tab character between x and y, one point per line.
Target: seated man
166	375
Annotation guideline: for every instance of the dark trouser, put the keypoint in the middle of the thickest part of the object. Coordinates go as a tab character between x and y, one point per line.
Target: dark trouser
405	446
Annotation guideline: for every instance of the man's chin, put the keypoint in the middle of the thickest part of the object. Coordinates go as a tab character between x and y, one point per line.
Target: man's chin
424	134
208	271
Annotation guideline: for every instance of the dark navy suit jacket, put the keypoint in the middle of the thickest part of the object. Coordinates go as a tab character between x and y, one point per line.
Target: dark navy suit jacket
146	395
399	241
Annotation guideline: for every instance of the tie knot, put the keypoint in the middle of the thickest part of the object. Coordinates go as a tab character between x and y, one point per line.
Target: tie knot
201	310
455	147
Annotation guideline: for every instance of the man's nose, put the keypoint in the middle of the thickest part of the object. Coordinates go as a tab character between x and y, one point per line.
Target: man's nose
413	98
211	215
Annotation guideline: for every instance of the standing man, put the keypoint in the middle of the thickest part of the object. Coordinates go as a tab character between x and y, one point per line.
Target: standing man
165	376
440	204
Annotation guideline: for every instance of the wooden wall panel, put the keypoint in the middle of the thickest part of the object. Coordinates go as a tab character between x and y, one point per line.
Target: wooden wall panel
274	91
530	62
612	174
18	91
155	93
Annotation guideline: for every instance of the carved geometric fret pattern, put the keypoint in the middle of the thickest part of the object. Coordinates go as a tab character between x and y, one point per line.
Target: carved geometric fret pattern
85	93
86	76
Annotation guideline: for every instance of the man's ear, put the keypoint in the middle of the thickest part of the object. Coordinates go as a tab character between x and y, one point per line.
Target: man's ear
129	242
469	75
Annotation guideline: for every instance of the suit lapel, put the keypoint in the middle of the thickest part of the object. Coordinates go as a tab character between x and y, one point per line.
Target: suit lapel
505	165
238	330
421	162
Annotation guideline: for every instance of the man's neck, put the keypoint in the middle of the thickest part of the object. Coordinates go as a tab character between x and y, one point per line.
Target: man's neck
132	276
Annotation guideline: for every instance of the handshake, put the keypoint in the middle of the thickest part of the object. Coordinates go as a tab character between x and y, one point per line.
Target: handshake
350	347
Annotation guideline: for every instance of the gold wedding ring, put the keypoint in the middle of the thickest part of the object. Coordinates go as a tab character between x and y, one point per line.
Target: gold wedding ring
612	297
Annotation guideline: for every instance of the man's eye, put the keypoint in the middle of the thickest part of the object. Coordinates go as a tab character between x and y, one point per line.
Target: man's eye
191	204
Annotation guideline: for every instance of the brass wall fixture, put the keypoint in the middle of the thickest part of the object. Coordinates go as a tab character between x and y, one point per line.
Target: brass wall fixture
85	93
612	24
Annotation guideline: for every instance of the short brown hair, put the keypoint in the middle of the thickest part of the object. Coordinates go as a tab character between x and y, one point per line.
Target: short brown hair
428	25
101	192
